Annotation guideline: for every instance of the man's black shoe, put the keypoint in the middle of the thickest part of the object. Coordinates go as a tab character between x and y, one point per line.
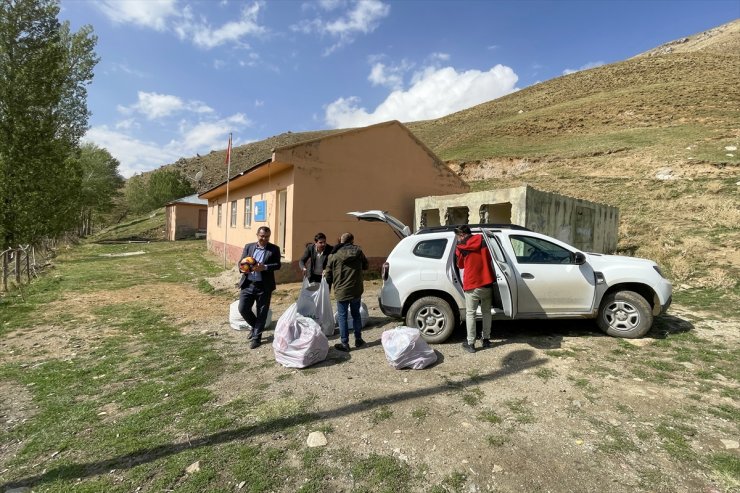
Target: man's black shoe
487	343
251	335
255	343
342	347
468	347
359	342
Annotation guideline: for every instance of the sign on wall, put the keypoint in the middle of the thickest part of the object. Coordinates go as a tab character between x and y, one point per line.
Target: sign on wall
260	210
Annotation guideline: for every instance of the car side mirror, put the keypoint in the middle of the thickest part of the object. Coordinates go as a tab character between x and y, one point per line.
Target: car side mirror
579	258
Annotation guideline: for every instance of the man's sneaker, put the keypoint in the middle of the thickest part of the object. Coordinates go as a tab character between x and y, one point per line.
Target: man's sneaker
359	342
487	343
255	343
342	347
468	347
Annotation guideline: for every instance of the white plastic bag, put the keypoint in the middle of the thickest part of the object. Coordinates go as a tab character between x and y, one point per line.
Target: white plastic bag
314	302
299	341
364	316
237	322
405	348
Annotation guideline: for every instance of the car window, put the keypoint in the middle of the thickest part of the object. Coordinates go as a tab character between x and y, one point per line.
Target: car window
529	250
430	248
496	250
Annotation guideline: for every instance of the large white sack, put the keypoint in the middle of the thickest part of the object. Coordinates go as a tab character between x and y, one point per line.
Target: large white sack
405	348
314	302
364	316
237	322
299	341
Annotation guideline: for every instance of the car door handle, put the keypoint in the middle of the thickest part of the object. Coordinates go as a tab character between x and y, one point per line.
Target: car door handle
527	275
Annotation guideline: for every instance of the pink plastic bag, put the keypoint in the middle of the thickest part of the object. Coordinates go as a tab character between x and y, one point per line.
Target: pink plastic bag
299	341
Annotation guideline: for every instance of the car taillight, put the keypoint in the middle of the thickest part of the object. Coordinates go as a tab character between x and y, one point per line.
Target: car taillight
384	272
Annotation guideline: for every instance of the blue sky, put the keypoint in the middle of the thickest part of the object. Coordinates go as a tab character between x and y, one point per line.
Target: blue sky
177	76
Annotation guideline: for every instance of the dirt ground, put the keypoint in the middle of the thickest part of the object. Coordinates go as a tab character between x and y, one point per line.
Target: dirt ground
511	418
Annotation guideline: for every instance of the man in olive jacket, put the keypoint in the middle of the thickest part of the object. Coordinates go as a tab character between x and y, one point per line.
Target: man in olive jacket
344	271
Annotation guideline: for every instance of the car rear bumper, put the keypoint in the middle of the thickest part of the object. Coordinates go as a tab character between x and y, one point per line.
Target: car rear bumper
389	311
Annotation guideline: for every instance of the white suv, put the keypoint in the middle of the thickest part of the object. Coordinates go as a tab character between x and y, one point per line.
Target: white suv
536	277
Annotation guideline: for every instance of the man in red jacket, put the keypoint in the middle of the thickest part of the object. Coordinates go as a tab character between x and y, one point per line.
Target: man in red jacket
478	278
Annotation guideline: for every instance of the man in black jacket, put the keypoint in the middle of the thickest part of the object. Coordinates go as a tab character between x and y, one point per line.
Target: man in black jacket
316	255
258	282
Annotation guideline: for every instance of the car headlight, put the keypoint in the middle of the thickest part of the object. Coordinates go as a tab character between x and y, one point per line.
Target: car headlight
660	272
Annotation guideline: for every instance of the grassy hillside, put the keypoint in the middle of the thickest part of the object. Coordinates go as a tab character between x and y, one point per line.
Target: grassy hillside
653	135
656	135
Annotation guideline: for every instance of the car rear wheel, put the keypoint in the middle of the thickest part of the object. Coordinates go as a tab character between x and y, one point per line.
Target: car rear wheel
433	317
625	314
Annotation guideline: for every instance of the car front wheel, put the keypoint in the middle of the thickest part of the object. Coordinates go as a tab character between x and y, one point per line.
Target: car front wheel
433	317
625	314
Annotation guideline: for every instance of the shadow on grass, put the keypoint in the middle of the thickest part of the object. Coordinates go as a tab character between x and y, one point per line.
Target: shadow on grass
518	361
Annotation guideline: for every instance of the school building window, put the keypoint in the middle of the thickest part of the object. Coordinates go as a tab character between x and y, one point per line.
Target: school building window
247	212
233	214
218	217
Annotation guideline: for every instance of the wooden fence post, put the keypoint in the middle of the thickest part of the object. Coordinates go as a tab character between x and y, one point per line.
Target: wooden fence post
18	267
5	270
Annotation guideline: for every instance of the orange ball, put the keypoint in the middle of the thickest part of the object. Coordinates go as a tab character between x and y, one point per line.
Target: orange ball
247	264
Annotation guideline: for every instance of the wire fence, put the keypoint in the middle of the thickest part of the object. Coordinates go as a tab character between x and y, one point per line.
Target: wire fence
19	266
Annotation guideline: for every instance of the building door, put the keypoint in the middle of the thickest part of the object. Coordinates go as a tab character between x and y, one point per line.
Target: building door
202	219
282	218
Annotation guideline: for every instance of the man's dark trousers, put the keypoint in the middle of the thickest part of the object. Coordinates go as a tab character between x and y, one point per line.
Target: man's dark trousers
254	292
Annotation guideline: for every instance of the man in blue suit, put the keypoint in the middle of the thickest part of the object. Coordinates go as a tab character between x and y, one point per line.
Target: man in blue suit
258	284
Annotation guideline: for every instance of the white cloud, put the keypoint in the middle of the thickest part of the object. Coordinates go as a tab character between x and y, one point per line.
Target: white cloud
146	13
363	18
388	76
435	92
203	35
136	155
209	135
127	124
587	66
123	67
153	105
442	57
168	15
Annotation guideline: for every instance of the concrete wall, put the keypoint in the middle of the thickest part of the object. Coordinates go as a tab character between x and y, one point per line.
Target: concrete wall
506	205
588	226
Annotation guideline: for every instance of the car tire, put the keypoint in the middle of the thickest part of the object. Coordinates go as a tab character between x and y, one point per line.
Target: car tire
433	317
625	314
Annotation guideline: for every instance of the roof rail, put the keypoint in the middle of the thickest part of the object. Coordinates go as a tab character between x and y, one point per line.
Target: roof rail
451	227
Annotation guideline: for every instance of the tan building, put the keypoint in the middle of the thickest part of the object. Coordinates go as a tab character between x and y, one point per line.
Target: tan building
186	218
589	226
308	186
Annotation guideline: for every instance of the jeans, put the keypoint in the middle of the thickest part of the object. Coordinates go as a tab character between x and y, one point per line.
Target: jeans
482	296
253	293
354	309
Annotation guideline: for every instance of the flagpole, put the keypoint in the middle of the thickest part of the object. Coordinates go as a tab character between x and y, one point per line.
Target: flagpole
228	175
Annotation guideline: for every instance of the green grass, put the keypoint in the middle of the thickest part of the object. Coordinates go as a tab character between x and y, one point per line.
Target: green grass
420	413
545	373
381	414
520	408
490	417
